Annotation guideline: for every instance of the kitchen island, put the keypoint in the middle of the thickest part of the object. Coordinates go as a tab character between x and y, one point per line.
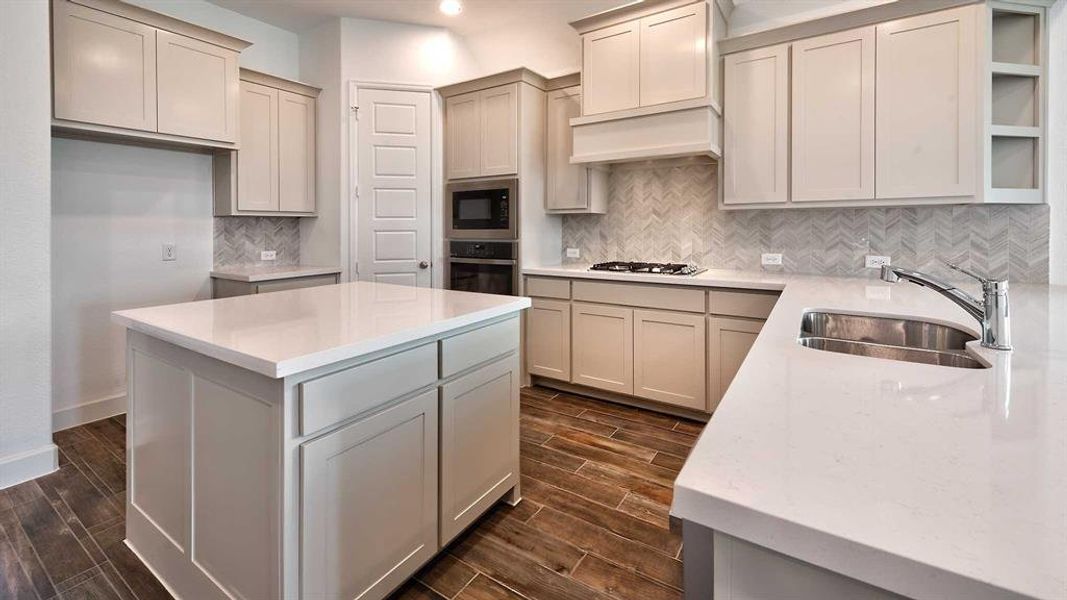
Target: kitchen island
316	443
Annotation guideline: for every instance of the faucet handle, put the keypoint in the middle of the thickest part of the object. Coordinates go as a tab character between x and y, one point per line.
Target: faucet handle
988	285
972	274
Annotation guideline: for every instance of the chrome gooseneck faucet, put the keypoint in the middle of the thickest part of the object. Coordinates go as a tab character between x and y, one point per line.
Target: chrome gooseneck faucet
991	311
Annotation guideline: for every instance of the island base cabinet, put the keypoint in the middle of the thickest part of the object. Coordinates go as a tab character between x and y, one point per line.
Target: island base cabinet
603	347
729	341
479	443
369	515
669	358
548	339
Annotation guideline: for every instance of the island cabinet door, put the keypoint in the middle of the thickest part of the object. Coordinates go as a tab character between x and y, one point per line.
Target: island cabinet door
369	513
669	358
479	443
603	347
548	339
729	341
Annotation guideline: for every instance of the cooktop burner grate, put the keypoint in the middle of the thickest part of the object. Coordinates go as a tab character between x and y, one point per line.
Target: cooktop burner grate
647	267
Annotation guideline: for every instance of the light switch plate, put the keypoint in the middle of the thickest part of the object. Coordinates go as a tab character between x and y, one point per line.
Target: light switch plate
574	253
268	255
169	252
876	262
770	259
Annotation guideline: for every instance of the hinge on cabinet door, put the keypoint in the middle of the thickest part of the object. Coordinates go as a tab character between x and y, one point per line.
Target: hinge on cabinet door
355	111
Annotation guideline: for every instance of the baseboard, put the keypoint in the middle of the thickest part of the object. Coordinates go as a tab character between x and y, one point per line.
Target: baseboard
72	416
28	465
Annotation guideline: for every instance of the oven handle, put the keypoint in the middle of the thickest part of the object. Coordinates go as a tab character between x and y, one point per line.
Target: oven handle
483	261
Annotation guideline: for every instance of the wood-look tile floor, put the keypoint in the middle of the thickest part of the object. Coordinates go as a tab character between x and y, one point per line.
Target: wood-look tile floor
596	481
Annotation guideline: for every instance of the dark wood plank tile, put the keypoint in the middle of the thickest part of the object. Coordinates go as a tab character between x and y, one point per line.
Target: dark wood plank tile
70	485
446	575
669	462
483	588
24	492
106	536
87	542
655	444
59	550
520	512
68	437
627	412
518	572
587	488
530	432
117	582
646	510
617	582
627	481
135	575
539	392
96	587
651	472
548	456
120	419
27	556
632	426
564	405
520	538
552	422
415	590
610	444
620	523
100	465
15	584
606	544
111	435
690	427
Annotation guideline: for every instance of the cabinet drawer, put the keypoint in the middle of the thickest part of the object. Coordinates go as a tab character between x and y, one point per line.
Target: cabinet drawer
468	349
292	284
548	287
735	303
644	296
338	396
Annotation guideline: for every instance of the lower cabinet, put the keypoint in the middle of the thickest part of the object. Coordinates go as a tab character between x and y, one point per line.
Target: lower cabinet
603	347
369	517
669	358
479	442
729	341
548	339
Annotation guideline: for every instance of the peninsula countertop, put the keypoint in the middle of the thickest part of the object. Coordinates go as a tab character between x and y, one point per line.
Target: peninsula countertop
256	273
932	482
288	332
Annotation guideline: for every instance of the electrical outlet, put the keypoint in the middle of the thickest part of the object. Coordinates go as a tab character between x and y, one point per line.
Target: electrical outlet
770	259
268	255
170	252
876	262
574	253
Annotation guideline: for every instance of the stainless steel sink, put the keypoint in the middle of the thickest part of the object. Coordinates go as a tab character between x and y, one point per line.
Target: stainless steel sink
892	338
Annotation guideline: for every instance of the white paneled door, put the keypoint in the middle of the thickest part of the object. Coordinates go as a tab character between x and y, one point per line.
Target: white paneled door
393	204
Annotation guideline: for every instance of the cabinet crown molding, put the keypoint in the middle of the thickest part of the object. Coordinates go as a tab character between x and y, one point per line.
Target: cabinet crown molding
164	22
519	75
627	12
279	83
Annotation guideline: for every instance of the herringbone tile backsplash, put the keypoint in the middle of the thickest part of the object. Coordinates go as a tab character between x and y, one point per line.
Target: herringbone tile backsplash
667	211
239	240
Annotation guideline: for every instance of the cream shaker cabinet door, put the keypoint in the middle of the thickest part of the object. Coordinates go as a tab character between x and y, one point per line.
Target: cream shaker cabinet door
479	442
729	341
927	97
567	183
674	56
756	126
296	152
670	358
369	502
548	339
119	90
602	347
198	88
463	126
500	130
611	68
257	160
833	117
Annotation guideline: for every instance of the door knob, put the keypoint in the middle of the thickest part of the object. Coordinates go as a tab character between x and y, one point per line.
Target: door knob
424	264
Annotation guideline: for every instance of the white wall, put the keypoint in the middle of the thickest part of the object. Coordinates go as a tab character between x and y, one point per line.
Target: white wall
113	206
547	45
274	50
26	449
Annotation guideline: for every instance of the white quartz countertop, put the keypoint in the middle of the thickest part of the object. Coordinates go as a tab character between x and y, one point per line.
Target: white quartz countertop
933	482
283	333
253	273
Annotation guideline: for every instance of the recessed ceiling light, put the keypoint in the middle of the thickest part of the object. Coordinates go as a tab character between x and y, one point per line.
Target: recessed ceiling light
450	7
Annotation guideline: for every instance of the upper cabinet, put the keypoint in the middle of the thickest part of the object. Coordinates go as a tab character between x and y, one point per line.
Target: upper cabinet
482	132
274	171
649	80
570	188
942	107
163	80
463	138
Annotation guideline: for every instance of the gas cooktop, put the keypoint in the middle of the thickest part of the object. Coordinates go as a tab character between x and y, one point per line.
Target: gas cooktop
646	267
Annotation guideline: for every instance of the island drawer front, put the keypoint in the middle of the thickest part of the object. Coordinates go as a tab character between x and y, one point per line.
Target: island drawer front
474	347
338	396
644	296
736	303
548	287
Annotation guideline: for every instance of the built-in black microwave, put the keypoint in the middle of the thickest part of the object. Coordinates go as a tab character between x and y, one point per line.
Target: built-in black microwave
483	210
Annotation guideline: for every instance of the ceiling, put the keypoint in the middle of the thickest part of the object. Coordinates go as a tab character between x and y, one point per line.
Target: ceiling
477	16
